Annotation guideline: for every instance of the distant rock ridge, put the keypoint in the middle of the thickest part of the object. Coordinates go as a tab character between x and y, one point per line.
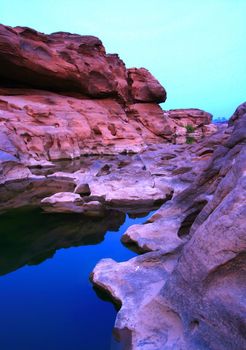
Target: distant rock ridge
63	96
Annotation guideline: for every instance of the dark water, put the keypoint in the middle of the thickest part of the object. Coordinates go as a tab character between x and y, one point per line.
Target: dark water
46	299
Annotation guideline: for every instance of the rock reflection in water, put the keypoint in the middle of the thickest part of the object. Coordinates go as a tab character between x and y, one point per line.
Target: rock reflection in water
29	192
30	237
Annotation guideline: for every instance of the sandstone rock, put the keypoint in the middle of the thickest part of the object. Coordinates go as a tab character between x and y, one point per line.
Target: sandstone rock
70	62
128	190
60	61
45	126
93	208
209	129
62	96
144	87
152	118
192	116
205	286
68	202
135	182
11	168
62	197
121	181
39	126
190	125
83	189
214	313
28	191
145	320
239	112
149	238
13	171
128	181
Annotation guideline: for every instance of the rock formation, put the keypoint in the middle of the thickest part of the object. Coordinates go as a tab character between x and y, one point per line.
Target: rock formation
193	282
62	97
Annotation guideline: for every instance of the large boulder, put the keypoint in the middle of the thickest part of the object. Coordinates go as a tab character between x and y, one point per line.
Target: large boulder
144	87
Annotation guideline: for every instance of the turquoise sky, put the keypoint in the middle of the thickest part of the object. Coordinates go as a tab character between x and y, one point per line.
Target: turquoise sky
197	49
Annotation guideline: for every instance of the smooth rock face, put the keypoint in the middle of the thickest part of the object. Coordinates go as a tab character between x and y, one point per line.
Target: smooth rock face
145	320
151	117
200	235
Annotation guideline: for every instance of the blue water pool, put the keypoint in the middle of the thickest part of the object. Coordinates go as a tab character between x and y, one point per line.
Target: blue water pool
46	299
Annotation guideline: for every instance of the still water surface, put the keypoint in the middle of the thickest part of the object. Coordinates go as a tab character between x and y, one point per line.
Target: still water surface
46	299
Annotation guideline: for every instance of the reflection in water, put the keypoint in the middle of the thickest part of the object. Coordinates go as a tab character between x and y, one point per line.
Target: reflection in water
30	191
52	305
30	237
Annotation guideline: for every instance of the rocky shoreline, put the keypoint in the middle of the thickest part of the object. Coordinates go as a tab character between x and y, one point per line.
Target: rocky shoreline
186	291
62	97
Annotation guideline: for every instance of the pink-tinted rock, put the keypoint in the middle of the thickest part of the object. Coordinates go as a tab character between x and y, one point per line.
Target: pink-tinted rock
72	63
192	116
68	202
144	87
89	102
190	124
239	112
39	125
204	226
60	61
151	117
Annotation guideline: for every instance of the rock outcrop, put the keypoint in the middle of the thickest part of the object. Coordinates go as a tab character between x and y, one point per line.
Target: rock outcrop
194	281
144	87
130	183
63	96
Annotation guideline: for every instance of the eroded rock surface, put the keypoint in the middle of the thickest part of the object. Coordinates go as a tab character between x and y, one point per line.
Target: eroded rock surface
145	320
203	226
144	87
63	96
126	182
